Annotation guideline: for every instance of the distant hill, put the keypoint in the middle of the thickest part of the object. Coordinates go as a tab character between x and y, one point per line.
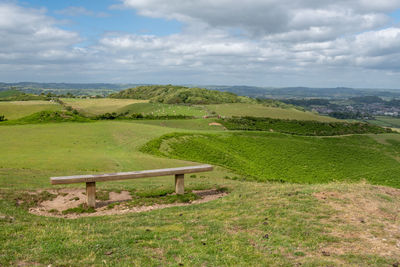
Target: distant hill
105	89
306	92
170	94
10	93
70	86
64	88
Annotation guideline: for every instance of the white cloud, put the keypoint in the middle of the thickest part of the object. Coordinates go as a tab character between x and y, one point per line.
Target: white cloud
25	32
278	43
269	17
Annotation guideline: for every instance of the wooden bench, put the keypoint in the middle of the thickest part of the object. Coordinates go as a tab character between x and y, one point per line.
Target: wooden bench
91	180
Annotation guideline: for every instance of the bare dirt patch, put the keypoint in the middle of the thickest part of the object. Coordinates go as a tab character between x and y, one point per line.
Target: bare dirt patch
214	124
116	204
367	221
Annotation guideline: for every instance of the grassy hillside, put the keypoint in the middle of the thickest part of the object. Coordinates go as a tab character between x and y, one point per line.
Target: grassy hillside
170	94
294	200
277	157
18	109
259	110
68	148
264	224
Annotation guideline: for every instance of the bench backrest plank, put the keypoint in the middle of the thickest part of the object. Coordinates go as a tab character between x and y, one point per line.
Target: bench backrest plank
128	175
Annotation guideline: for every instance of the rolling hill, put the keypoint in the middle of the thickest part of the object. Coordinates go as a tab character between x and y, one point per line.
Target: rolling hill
169	94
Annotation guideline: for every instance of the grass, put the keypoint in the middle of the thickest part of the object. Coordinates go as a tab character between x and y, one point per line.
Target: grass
277	157
18	109
32	153
140	200
260	224
287	226
99	106
159	109
80	209
258	110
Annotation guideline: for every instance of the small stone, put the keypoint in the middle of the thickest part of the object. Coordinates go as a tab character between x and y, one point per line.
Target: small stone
7	218
265	223
181	214
108	253
326	253
266	236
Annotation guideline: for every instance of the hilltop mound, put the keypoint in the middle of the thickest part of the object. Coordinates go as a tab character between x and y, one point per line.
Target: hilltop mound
170	94
16	95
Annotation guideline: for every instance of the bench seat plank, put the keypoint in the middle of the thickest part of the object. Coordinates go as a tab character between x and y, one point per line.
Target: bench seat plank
128	175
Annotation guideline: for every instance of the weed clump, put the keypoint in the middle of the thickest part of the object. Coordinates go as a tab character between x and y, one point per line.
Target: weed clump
82	208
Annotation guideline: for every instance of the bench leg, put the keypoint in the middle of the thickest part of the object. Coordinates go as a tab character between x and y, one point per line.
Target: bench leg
91	194
179	184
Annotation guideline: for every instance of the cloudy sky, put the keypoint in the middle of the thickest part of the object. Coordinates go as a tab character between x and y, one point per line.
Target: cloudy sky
316	43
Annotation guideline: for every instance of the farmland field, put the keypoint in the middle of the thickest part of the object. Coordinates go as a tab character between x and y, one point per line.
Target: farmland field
386	121
99	106
293	200
159	109
18	109
258	110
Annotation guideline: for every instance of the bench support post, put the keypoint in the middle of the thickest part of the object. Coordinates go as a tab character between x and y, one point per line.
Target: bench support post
91	194
179	184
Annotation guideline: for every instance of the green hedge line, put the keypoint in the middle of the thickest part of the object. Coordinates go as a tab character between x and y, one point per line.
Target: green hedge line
313	128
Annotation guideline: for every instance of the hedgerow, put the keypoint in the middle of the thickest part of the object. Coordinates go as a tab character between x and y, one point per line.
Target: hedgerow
300	127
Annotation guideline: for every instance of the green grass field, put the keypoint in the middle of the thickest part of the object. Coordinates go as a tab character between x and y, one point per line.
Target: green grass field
279	157
314	206
258	110
18	109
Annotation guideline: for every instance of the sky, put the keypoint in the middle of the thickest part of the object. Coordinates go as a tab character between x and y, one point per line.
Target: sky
277	43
